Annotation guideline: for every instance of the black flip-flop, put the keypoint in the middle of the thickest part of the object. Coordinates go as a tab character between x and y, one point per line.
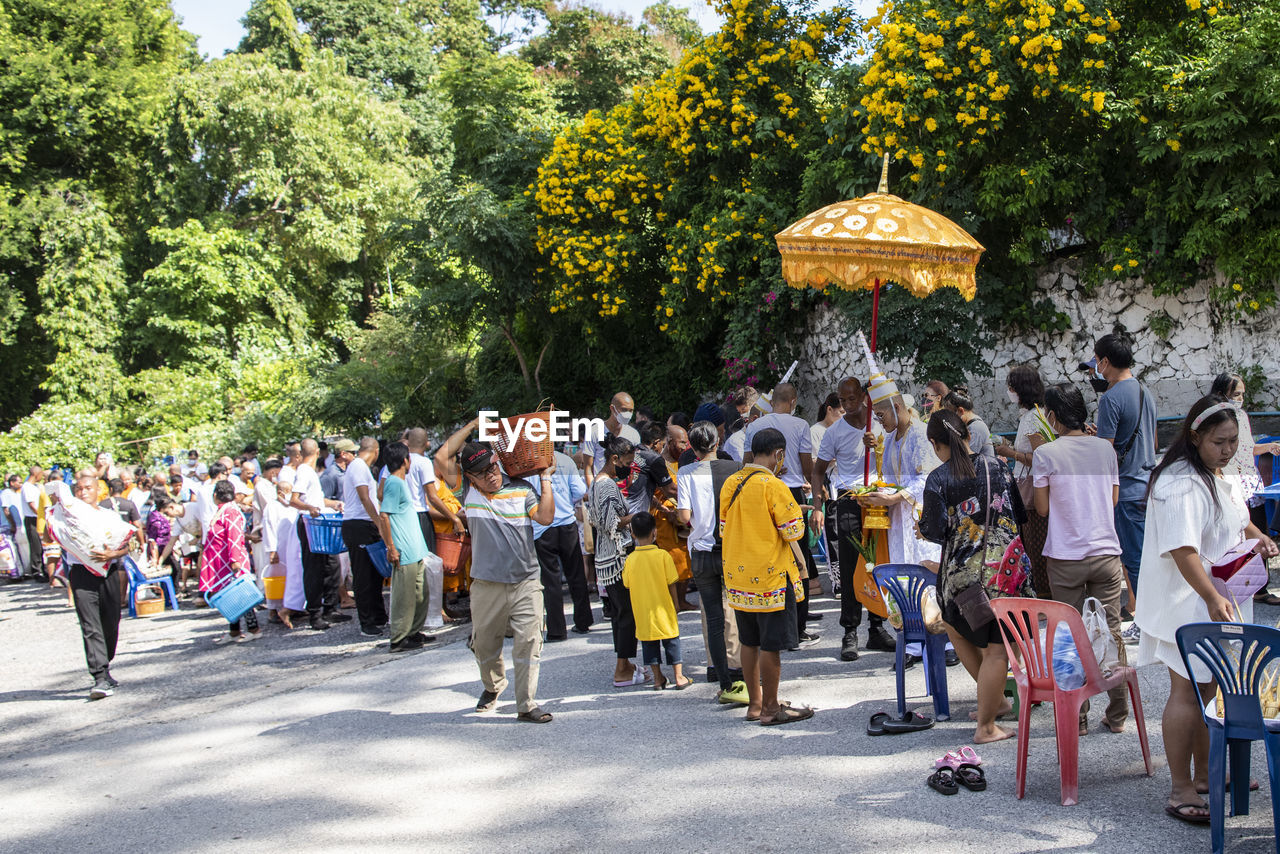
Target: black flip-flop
875	726
971	777
1177	812
788	715
910	722
943	781
534	716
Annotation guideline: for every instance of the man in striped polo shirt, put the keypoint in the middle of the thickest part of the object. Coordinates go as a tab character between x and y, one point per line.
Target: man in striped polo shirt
506	585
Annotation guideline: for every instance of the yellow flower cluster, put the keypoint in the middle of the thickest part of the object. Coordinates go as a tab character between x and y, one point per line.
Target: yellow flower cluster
590	187
733	104
946	67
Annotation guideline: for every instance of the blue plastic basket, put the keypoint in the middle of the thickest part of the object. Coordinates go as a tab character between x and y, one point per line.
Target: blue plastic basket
324	534
237	598
378	554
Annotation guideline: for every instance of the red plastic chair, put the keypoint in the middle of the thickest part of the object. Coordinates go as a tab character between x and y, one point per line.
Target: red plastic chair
1032	664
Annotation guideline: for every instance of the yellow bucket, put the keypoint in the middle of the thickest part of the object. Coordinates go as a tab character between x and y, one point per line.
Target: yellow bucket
273	586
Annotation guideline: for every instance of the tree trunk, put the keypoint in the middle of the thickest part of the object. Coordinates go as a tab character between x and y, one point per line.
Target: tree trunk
524	363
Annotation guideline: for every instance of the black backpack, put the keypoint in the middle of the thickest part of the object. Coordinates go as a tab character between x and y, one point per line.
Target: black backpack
720	472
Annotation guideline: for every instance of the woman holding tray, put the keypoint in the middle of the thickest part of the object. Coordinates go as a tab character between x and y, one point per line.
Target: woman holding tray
1195	515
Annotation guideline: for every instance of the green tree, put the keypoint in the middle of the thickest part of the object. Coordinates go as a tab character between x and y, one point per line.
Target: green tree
81	290
592	59
308	169
673	25
82	89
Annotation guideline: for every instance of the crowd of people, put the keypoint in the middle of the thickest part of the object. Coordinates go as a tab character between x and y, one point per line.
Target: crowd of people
731	502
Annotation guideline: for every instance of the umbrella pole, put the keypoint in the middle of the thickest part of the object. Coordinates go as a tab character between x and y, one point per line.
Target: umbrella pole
875	323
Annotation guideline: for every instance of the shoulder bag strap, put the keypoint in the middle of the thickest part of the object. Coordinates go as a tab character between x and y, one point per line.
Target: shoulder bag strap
1137	424
986	524
738	490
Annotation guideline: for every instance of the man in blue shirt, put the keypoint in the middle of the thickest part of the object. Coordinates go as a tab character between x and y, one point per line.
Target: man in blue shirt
560	554
1127	419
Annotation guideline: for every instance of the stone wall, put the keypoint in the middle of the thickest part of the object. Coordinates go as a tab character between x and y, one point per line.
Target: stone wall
1178	369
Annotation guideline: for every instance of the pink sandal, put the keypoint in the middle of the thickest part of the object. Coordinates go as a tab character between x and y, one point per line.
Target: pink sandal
955	758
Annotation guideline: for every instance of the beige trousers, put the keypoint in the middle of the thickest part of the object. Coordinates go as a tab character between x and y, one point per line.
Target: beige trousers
496	607
1102	577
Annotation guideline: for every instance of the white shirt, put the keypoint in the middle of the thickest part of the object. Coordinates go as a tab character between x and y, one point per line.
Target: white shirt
596	449
288	473
205	506
736	444
242	488
1181	512
1080	472
796	432
695	492
816	432
421	475
842	444
264	495
358	474
30	495
306	486
10	498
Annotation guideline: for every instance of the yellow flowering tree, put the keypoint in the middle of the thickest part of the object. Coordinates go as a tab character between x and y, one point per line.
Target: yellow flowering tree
1133	135
665	207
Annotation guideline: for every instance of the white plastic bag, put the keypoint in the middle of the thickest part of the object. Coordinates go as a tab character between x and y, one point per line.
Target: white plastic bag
1100	637
434	567
81	529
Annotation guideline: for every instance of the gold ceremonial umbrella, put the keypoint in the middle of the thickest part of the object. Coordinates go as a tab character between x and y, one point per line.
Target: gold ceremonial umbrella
879	237
860	243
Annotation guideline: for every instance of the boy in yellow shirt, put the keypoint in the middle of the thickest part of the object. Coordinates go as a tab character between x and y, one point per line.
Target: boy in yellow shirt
650	576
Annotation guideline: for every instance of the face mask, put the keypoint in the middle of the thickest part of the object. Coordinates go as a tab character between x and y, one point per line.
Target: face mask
1098	384
1013	397
1235	402
623	417
780	468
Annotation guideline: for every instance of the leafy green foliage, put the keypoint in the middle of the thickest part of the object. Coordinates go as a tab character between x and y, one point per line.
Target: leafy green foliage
591	59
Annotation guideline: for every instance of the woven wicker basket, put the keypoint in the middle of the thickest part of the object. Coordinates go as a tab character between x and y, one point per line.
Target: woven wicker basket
150	607
524	457
454	550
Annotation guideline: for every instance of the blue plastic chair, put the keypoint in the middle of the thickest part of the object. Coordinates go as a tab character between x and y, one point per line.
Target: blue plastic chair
1238	656
138	580
906	583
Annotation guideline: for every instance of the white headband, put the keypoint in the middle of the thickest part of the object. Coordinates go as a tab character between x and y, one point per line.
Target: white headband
1217	407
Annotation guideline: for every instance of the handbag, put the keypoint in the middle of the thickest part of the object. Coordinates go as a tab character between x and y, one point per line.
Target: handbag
973	601
1239	573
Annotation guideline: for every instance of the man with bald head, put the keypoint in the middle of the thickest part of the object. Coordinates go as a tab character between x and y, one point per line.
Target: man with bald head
846	443
621	410
321	574
360	529
797	468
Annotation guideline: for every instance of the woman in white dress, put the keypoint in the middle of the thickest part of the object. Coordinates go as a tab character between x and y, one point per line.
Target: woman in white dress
1195	515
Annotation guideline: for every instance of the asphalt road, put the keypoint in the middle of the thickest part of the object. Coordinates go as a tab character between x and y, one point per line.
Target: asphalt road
319	742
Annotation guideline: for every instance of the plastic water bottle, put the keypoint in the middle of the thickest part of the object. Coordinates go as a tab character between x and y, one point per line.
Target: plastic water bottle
1068	670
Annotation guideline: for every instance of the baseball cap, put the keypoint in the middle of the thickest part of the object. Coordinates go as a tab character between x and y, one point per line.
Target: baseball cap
476	457
1091	365
346	445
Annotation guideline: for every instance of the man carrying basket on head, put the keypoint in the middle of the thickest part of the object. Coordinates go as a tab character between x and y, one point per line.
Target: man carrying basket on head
506	589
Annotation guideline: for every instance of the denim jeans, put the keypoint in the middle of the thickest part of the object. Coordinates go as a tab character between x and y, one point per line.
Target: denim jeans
653	650
1131	524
